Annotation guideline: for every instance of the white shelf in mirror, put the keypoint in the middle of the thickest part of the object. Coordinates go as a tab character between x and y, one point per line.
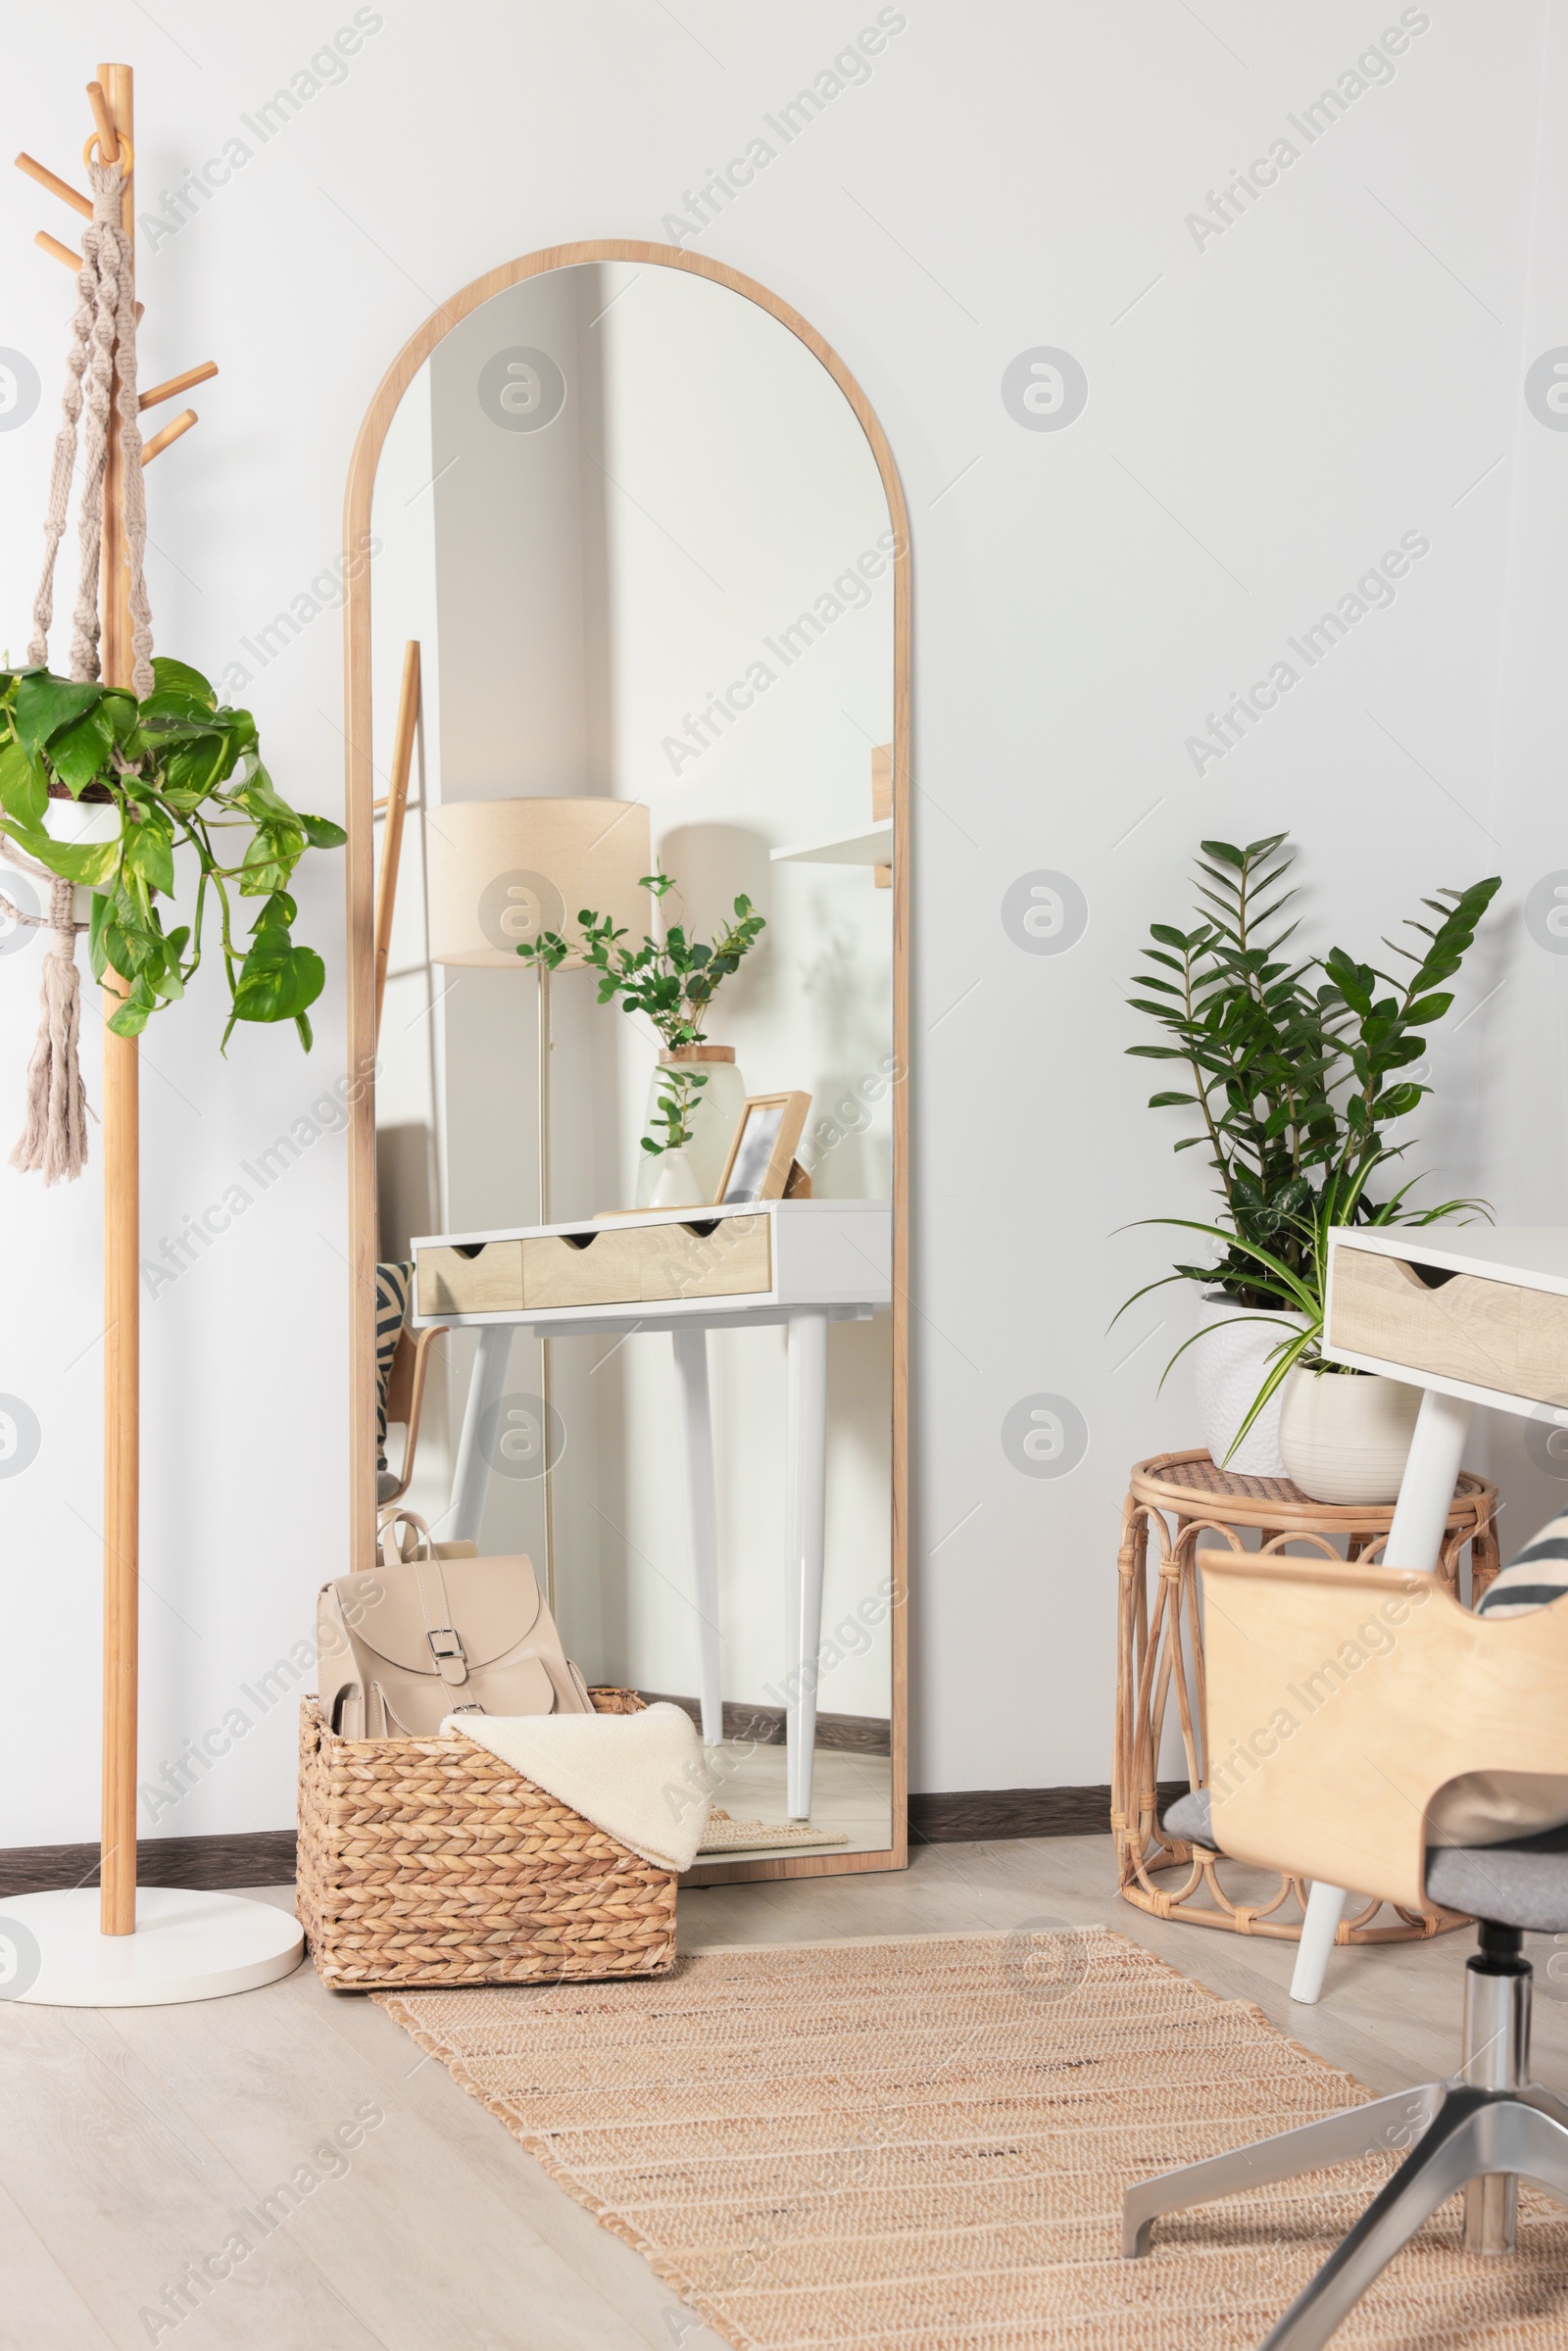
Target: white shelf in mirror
871	845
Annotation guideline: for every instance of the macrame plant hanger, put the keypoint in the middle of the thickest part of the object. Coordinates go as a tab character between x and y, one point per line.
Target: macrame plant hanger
186	1946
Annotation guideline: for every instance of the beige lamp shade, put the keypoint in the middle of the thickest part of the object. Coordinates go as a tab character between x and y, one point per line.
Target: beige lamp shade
500	872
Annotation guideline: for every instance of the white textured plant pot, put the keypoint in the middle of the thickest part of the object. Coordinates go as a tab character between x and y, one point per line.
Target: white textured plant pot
716	1114
1230	1365
1345	1436
676	1185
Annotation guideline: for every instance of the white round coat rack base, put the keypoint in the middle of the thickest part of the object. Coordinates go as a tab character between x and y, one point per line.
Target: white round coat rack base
187	1946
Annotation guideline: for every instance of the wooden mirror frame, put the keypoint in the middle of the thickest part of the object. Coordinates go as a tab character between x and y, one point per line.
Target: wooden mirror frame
360	860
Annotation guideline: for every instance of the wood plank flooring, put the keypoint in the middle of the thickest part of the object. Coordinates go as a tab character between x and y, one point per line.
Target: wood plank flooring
136	2147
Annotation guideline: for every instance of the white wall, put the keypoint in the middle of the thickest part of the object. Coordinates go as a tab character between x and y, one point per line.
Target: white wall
1266	413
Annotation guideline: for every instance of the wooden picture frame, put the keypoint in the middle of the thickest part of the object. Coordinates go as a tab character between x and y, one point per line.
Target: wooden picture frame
787	1130
360	889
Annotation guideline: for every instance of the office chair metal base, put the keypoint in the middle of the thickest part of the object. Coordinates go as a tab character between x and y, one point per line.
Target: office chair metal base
1466	2133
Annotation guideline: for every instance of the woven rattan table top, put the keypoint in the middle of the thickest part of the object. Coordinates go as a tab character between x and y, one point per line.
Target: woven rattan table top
1189	1484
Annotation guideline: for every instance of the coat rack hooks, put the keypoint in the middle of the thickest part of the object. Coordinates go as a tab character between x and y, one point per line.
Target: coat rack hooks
57	186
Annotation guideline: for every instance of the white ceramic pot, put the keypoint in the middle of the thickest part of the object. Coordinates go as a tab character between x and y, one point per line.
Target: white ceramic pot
716	1114
76	820
1345	1436
676	1184
1230	1365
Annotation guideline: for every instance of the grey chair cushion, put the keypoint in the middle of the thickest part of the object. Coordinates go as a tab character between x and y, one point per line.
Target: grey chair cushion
1189	1819
1524	1883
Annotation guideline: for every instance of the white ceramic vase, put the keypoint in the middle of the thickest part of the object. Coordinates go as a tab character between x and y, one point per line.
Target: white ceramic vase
1230	1363
675	1184
1345	1436
716	1114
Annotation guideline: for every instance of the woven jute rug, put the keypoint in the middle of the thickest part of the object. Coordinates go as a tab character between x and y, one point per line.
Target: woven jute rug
878	2146
724	1835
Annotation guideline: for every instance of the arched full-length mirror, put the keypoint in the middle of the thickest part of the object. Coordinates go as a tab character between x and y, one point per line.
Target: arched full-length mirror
628	622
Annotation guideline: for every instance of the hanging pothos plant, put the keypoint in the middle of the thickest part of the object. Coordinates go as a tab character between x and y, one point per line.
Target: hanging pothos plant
182	773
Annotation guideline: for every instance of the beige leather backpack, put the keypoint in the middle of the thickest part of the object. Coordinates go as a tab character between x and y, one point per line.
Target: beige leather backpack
433	1631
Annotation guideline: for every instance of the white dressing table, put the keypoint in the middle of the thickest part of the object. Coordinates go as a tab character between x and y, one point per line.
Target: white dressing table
686	1271
1472	1315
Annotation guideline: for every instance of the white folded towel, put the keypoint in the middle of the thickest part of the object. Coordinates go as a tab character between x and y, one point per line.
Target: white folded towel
638	1777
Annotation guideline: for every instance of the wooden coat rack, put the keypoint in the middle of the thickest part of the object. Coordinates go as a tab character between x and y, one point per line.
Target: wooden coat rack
168	1945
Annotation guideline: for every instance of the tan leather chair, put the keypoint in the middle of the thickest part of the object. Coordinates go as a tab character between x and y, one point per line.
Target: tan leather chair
1341	1700
404	1404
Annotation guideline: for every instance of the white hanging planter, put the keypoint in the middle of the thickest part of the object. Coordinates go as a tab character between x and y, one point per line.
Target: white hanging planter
1345	1436
1230	1363
77	821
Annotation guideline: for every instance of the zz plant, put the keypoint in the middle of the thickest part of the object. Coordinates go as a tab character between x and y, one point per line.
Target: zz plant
1297	1066
183	773
673	980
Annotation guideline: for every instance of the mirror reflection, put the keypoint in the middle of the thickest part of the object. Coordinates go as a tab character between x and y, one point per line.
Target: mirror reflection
633	683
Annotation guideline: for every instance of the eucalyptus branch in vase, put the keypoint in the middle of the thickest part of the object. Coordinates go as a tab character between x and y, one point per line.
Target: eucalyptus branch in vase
673	980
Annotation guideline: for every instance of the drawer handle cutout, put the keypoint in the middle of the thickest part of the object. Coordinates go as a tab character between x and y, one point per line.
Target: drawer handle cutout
470	1248
702	1228
580	1239
1425	1277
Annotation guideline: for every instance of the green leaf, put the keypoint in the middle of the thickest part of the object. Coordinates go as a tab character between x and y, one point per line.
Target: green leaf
179	677
270	858
80	752
133	1014
149	853
90	863
192	768
24	787
277	915
278	981
45	704
322	833
1428	1008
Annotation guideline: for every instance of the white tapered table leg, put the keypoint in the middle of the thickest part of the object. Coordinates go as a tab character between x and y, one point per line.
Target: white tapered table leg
470	1479
1415	1541
1325	1907
696	1434
804	1529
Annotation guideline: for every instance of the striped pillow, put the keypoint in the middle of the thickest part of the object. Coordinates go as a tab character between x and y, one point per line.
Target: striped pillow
1490	1808
393	1284
1537	1577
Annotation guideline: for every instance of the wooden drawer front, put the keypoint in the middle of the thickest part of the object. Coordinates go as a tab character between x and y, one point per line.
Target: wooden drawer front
448	1281
1487	1334
604	1271
731	1260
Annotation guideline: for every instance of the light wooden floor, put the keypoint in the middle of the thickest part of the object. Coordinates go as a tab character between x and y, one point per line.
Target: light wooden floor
131	2145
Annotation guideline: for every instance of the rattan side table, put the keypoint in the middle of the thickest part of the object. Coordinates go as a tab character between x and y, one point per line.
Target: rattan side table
1176	1497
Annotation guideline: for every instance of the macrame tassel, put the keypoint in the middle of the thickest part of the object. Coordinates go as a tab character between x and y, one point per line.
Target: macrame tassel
102	332
54	1139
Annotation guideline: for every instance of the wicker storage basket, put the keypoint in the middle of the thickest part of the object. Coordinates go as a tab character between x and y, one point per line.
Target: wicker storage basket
428	1861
